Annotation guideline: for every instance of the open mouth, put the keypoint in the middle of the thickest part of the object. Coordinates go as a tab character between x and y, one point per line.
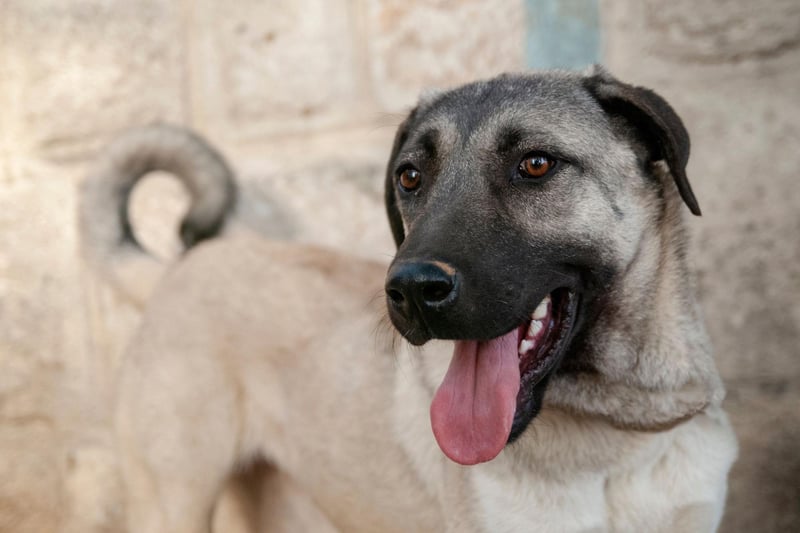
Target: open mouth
543	340
491	390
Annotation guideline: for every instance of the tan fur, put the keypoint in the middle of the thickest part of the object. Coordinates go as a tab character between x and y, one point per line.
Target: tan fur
256	352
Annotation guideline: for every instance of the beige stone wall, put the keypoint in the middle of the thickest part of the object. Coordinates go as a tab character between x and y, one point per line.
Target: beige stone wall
303	96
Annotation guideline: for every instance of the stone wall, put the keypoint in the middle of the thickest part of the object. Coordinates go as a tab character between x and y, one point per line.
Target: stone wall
303	96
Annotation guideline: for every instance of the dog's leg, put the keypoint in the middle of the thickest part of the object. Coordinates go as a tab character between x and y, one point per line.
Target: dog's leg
177	441
266	500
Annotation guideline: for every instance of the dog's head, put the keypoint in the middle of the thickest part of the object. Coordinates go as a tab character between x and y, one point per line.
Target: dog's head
526	210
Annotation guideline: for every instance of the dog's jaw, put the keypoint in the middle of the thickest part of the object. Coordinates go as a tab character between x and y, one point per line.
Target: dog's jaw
493	388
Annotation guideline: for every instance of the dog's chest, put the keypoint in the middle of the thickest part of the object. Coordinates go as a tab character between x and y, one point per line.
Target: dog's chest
513	501
656	483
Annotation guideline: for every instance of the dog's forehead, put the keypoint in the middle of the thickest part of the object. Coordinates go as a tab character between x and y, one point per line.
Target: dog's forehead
554	110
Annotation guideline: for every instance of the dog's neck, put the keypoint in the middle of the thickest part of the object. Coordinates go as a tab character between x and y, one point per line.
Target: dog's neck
648	364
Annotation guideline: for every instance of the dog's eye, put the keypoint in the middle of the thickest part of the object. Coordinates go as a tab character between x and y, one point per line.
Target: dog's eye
536	165
410	179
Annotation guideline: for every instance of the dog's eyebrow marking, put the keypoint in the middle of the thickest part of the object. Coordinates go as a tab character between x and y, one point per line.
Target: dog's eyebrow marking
508	138
428	141
403	138
446	268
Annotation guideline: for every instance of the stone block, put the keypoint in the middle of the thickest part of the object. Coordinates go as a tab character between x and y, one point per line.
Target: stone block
262	68
640	37
713	31
38	258
40	335
419	45
77	71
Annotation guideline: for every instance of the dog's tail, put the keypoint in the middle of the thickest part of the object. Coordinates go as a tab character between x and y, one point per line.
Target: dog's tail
108	241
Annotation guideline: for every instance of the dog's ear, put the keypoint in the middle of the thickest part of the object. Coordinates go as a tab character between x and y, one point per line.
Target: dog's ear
660	126
389	193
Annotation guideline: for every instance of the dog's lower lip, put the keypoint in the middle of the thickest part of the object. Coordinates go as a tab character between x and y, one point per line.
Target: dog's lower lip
417	337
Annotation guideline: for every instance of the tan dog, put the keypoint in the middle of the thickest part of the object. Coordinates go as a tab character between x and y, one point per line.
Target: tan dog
539	229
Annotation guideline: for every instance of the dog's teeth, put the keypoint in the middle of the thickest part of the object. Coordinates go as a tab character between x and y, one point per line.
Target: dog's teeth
524	346
542	308
535	328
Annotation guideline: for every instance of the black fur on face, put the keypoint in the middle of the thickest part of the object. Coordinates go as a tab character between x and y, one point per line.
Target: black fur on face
512	238
476	212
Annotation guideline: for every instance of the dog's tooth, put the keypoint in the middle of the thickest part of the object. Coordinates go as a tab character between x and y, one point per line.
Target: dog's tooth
542	308
524	346
535	327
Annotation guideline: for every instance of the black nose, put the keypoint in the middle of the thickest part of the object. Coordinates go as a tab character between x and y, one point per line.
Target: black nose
420	287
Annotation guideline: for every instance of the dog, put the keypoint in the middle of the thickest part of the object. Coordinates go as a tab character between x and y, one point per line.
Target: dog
556	377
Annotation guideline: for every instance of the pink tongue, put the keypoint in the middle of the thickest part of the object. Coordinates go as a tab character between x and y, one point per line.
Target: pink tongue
472	412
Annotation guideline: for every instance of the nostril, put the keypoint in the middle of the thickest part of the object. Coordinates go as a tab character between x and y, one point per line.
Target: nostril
417	287
396	296
436	291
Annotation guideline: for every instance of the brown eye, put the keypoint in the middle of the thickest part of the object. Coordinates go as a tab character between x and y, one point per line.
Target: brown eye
536	165
410	179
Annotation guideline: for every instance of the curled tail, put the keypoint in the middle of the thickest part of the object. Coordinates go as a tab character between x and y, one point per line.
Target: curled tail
107	237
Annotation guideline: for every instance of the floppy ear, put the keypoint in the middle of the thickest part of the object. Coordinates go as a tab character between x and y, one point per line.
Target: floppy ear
389	194
661	127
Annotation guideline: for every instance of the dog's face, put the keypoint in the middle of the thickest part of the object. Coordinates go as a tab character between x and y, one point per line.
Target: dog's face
515	204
